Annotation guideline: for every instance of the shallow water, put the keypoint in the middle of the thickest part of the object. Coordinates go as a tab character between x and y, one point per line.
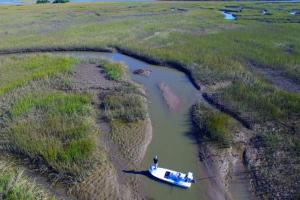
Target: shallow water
228	15
294	12
172	139
10	2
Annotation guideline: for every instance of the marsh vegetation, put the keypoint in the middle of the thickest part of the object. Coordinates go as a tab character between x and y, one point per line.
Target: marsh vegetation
41	120
15	186
38	107
214	125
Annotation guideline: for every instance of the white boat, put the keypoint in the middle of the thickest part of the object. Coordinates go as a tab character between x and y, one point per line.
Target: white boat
173	177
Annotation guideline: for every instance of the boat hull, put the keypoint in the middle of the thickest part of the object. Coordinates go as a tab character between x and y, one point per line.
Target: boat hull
170	176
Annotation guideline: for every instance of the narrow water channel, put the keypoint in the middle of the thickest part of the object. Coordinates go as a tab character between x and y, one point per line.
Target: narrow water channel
228	15
172	139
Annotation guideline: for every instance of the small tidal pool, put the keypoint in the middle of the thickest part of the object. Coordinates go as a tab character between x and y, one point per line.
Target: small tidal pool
228	15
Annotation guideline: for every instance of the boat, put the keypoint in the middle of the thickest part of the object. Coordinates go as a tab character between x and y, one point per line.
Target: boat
172	177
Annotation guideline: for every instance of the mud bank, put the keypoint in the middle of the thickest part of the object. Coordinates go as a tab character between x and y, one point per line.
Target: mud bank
224	163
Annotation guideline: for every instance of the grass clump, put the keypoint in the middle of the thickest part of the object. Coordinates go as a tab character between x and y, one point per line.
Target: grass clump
114	71
56	127
57	104
125	107
125	103
17	71
212	124
14	186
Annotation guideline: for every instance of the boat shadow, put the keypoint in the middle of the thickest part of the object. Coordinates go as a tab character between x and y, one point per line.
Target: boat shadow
148	175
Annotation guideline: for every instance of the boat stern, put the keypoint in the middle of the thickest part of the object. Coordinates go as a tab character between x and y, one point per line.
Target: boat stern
151	168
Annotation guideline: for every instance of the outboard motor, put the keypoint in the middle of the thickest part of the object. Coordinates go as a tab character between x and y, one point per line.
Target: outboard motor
190	177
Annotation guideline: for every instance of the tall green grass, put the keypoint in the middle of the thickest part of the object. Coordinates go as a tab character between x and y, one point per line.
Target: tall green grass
56	127
260	102
212	48
125	107
17	70
57	103
114	71
216	126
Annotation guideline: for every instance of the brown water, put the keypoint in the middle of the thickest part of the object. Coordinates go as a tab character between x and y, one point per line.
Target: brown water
172	140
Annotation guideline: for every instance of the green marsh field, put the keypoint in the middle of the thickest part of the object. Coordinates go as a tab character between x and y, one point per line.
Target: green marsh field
247	70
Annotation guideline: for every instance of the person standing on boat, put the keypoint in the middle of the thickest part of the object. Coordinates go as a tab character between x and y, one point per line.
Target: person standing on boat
155	160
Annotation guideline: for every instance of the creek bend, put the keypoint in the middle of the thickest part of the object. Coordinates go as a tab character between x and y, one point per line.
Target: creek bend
173	140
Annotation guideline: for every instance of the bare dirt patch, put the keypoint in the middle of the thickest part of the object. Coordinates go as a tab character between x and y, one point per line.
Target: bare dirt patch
90	77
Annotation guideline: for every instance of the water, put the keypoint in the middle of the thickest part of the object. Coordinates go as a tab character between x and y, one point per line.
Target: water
294	12
10	2
172	139
228	15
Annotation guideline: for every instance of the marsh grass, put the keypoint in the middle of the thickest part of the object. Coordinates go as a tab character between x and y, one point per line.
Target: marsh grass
129	136
125	110
214	50
216	126
41	120
114	71
261	102
57	103
17	71
283	148
124	103
56	127
15	186
125	107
